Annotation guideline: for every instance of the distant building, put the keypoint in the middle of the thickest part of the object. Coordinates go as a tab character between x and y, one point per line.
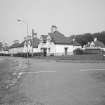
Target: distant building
30	45
13	48
94	47
55	43
95	44
3	48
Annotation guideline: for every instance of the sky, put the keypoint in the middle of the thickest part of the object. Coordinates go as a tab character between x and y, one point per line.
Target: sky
70	16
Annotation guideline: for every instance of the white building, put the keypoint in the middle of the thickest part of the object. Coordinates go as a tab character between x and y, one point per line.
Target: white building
30	46
13	49
95	44
55	43
94	47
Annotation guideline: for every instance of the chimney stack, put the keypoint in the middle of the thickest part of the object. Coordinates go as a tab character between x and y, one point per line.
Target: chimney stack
53	28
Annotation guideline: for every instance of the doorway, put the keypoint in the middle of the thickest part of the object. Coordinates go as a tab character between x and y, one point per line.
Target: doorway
44	51
66	50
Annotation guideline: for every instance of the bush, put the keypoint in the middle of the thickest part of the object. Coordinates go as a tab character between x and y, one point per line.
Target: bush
78	51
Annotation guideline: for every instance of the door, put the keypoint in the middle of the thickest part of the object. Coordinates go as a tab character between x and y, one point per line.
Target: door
44	51
66	50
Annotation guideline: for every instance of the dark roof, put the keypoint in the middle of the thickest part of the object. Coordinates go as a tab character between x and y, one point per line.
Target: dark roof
59	38
15	45
99	44
35	42
21	44
44	37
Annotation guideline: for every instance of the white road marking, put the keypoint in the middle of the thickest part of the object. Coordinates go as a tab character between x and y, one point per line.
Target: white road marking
91	69
37	72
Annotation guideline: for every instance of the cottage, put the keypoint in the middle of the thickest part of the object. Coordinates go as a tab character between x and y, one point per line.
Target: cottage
43	44
55	43
95	44
21	47
13	48
29	46
94	47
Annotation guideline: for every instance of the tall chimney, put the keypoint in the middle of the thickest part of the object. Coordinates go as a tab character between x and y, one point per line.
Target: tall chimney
53	28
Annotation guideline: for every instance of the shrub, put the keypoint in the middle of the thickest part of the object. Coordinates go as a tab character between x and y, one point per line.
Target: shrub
78	51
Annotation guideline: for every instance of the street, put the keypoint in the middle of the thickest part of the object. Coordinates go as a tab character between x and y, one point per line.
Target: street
60	83
47	82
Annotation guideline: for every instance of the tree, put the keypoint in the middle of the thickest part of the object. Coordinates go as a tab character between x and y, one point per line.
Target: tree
88	37
1	46
100	36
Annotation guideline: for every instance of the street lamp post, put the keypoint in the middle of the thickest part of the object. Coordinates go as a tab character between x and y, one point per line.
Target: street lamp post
32	40
32	46
19	20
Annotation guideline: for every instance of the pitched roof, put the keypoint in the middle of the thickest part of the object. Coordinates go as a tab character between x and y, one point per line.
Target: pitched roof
15	45
21	44
59	38
35	42
99	44
44	37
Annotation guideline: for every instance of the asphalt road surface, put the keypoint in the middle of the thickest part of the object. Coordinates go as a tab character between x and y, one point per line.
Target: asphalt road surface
60	83
47	82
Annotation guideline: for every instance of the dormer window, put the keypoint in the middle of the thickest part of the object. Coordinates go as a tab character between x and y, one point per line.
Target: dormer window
43	38
44	41
53	28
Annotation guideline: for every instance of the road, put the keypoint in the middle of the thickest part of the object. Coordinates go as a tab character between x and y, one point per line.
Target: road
49	82
60	83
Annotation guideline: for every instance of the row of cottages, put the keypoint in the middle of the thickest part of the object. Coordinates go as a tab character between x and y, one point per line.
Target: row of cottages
30	45
25	46
55	43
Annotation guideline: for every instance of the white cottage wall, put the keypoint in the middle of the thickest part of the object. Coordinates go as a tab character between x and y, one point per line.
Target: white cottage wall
60	49
20	49
25	49
36	50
